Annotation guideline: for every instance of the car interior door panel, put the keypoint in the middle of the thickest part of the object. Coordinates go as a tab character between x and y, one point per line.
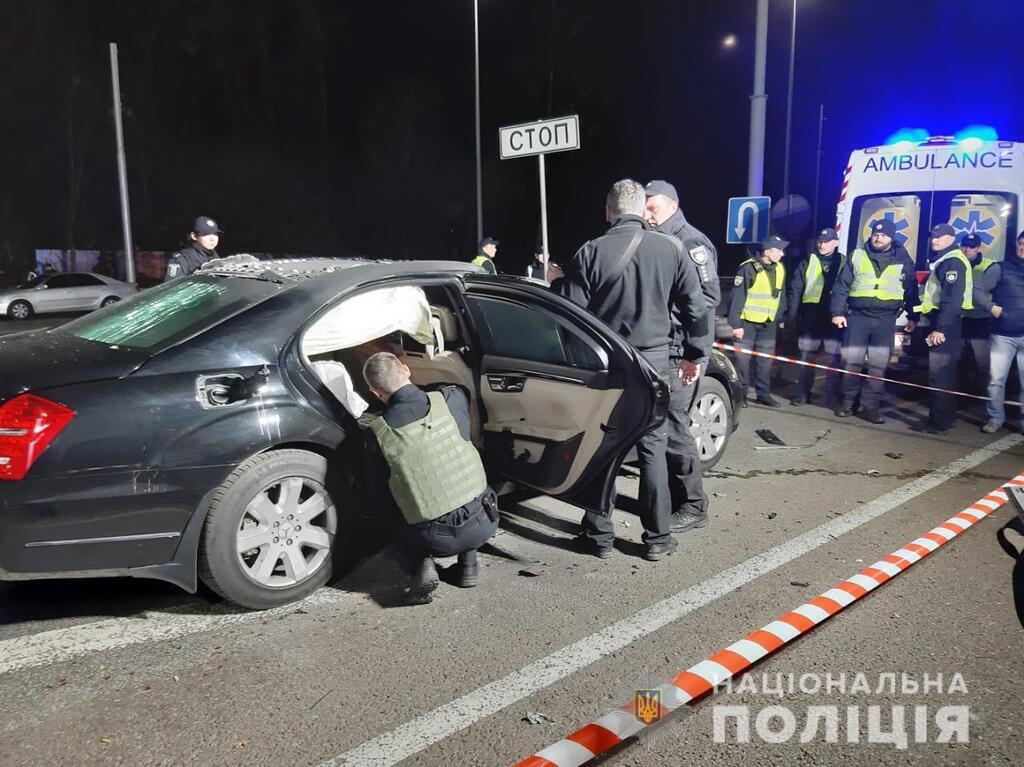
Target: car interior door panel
562	400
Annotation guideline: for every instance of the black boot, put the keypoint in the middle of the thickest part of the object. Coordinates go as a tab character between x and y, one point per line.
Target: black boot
469	570
424	583
845	410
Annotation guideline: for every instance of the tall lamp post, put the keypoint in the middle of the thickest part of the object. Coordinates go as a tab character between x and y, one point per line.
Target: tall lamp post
476	71
755	171
789	103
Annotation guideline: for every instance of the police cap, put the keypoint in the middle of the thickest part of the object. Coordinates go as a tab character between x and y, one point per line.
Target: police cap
885	226
658	186
205	225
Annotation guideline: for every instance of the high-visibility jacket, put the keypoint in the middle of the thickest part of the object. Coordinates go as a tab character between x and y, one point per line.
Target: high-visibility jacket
867	283
762	304
485	262
814	279
979	270
933	288
433	469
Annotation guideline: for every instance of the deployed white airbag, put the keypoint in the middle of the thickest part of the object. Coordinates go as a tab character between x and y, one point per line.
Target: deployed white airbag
336	378
371	315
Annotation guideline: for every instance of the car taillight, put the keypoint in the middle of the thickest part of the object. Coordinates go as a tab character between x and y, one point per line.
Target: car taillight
28	424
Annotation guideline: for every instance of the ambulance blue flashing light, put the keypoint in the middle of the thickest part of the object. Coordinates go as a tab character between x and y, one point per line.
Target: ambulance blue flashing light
970	139
973	137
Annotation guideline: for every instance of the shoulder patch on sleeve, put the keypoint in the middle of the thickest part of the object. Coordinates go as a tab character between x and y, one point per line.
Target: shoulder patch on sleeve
951	276
173	269
738	281
699	255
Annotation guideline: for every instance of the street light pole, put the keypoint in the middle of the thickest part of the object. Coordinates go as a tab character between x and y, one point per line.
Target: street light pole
476	70
755	170
817	164
789	103
122	172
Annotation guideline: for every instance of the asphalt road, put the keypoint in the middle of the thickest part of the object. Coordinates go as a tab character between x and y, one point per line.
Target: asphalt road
135	673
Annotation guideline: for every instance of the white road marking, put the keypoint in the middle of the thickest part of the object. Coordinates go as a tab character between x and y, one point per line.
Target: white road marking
58	645
418	734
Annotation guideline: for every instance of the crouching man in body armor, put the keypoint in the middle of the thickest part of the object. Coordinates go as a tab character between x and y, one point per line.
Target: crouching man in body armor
430	475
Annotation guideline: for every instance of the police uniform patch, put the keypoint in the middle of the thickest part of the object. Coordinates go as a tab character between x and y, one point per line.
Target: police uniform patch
699	255
173	269
950	276
738	281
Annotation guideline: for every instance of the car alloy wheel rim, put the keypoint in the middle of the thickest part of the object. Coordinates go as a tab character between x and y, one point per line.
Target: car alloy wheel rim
710	425
20	311
284	536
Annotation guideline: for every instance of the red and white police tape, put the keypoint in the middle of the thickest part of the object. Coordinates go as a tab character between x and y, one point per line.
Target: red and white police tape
619	724
780	358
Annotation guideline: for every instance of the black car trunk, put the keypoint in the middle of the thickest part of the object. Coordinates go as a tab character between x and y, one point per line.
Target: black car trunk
45	359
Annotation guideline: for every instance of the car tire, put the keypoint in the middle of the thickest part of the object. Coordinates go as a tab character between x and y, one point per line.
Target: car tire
20	310
265	502
712	415
108	301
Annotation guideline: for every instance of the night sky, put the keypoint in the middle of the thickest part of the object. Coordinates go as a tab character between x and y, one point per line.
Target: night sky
343	128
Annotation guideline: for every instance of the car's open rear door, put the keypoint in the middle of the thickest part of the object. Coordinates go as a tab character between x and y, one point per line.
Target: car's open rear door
564	397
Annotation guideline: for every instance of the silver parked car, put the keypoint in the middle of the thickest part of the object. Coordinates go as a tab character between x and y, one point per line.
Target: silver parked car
63	292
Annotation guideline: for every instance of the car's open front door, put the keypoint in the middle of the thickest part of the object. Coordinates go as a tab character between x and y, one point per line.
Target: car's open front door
564	397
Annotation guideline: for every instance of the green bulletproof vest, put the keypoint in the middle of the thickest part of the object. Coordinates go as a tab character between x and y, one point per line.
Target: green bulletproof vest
762	304
867	283
433	469
933	289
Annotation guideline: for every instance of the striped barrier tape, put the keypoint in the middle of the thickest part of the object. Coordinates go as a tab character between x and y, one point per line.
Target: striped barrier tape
780	358
615	727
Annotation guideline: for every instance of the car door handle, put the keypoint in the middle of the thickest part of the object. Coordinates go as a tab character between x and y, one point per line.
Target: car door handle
509	384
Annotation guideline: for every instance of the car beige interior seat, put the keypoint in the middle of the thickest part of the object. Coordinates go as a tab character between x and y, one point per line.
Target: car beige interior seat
439	365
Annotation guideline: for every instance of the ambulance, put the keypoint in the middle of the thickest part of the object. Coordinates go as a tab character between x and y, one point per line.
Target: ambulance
973	184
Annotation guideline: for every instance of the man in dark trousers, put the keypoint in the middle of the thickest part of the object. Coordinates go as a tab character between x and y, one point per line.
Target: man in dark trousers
201	249
872	289
948	294
810	291
1007	337
757	303
423	463
685	478
977	322
636	280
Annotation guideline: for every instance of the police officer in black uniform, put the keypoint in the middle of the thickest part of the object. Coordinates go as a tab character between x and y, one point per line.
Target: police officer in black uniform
874	286
757	304
943	307
202	248
635	280
810	291
685	479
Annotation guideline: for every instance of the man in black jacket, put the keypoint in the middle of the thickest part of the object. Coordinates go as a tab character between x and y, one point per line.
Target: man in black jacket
635	280
948	294
810	290
874	286
202	248
686	483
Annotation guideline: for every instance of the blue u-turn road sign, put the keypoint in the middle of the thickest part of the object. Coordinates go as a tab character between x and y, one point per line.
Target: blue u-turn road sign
748	219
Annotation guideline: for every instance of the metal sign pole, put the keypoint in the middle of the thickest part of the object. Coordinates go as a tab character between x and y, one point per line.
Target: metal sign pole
122	173
543	212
